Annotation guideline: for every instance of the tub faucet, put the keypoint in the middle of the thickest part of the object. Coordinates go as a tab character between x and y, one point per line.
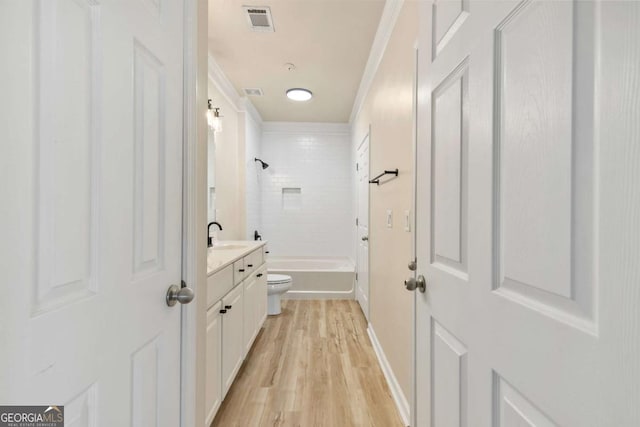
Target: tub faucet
209	238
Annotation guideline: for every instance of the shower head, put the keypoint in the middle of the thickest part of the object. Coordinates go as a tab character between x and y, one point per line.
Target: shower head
264	165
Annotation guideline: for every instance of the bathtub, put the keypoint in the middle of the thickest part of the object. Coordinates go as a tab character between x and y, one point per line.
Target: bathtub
316	278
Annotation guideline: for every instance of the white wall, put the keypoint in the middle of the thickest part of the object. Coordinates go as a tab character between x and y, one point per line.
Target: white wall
315	157
387	115
254	174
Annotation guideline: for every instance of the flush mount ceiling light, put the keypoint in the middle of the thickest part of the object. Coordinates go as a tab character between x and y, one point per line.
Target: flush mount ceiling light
299	94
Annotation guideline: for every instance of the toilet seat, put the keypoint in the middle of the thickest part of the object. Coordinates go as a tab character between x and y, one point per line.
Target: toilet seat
278	279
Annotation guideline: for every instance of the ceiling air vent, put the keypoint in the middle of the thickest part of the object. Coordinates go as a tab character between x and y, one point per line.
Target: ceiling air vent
252	91
259	18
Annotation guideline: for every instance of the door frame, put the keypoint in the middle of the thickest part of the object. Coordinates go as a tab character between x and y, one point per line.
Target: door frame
194	211
414	225
367	138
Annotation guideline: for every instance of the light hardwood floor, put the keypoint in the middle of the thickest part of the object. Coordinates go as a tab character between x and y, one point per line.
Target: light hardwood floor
313	365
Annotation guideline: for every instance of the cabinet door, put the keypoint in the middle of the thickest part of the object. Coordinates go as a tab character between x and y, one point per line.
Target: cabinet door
213	382
250	312
232	336
261	297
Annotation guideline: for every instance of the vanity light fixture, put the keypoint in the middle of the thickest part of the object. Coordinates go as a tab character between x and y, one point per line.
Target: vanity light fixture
213	118
299	94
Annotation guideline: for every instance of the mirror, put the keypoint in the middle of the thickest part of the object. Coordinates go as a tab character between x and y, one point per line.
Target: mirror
211	177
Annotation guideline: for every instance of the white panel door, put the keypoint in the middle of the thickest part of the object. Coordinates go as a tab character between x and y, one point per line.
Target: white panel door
528	214
92	148
362	283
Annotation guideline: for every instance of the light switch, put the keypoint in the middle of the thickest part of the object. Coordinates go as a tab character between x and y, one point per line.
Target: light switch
389	218
407	221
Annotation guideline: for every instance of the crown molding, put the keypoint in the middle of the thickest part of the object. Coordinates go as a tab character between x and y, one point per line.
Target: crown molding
221	81
388	20
251	110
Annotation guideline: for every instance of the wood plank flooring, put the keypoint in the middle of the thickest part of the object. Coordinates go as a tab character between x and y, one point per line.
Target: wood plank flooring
313	365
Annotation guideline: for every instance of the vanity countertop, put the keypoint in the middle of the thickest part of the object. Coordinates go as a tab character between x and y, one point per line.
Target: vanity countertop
226	252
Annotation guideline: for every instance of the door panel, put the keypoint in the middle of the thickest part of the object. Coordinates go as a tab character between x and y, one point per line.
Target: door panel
449	361
534	147
520	325
449	172
96	208
144	385
149	172
543	168
67	153
513	409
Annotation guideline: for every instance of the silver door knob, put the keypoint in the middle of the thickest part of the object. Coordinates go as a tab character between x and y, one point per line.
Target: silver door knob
420	283
413	265
365	238
177	294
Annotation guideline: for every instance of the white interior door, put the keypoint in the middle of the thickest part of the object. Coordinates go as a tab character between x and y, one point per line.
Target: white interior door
362	284
528	204
92	141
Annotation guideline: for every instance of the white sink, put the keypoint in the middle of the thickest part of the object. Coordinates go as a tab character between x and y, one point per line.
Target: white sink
228	246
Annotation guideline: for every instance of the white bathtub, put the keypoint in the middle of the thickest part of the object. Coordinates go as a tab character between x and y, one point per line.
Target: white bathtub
316	278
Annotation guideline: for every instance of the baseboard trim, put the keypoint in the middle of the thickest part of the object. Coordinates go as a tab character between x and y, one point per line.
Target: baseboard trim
319	295
396	392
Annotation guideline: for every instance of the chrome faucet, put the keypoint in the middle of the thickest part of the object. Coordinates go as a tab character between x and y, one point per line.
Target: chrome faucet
209	238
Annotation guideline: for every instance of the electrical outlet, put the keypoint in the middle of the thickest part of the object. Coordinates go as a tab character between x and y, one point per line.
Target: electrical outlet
407	221
389	218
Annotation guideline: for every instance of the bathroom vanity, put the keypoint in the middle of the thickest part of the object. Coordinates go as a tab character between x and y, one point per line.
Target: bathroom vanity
236	310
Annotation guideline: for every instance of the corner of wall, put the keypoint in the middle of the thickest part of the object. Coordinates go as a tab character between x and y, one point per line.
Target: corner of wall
389	122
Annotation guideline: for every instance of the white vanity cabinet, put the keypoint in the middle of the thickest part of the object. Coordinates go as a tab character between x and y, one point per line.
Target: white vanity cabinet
237	308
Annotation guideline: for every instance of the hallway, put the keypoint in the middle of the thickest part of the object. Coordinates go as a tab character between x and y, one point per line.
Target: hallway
311	366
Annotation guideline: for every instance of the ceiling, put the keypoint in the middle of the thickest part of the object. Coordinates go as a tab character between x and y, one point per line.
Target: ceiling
328	41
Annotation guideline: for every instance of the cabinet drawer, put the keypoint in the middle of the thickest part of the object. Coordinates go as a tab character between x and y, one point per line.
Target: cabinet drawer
239	272
219	284
253	261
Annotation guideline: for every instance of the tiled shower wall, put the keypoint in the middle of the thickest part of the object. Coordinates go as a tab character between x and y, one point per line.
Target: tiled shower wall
307	191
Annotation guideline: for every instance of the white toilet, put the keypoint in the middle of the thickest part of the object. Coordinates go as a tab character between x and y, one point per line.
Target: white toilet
277	284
